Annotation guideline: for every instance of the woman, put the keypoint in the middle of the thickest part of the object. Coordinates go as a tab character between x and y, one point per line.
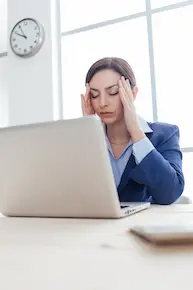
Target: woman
145	157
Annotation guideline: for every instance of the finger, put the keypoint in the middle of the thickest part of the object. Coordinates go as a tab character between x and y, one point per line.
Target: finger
130	89
87	102
120	83
87	94
83	104
88	97
127	87
128	106
121	89
128	83
123	96
123	85
124	93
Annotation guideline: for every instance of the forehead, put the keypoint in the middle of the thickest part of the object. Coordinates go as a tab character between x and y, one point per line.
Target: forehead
105	78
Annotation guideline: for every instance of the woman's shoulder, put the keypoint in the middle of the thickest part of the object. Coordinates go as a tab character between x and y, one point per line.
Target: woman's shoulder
165	128
163	132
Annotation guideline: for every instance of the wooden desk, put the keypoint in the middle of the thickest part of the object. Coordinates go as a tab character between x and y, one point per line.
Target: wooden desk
64	254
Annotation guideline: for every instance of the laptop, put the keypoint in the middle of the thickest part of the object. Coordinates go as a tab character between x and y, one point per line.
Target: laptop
59	169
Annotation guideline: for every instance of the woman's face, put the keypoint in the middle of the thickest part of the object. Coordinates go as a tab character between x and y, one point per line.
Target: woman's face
105	98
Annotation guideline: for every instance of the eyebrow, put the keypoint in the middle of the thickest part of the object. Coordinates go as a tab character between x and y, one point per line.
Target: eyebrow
105	88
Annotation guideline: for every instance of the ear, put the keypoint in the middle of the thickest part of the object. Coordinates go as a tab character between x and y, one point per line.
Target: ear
135	92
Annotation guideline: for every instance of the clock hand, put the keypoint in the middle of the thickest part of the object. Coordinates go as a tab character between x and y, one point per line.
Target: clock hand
22	35
22	31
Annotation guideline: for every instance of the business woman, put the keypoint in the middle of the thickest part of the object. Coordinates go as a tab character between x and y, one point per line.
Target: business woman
145	157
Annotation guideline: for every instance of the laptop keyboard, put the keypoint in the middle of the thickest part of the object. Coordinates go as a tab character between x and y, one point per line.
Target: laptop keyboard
123	206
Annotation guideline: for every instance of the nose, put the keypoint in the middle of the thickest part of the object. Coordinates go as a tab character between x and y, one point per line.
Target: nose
103	100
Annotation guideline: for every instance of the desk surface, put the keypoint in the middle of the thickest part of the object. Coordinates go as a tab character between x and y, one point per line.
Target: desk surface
54	254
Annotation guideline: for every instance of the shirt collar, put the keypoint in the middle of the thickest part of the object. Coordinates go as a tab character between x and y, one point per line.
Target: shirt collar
144	125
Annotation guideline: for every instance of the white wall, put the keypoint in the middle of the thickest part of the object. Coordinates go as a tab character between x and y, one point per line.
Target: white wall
3	48
3	25
34	86
3	94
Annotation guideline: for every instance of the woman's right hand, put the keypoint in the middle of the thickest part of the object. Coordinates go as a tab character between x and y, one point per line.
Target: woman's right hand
87	108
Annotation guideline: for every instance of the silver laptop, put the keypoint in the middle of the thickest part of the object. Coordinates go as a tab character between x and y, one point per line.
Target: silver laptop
59	169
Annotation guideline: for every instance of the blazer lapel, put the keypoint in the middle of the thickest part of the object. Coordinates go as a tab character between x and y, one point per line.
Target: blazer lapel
127	173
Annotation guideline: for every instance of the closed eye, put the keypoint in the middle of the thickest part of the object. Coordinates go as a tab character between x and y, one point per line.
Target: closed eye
113	91
113	94
94	96
94	93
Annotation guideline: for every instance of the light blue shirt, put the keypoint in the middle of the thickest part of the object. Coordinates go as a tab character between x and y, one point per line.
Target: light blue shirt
139	149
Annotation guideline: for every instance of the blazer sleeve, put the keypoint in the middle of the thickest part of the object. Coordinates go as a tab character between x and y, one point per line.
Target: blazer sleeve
161	171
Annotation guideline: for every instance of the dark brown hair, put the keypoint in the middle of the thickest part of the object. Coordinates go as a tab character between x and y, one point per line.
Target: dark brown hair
119	65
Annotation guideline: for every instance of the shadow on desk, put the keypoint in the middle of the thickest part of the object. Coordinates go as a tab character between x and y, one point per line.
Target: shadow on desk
183	200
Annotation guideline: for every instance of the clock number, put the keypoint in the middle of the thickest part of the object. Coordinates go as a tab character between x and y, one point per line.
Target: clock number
25	23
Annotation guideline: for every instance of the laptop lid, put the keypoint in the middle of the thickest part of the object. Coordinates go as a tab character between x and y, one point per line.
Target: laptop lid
57	169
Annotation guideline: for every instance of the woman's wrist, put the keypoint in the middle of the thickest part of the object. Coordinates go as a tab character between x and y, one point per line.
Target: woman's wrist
136	135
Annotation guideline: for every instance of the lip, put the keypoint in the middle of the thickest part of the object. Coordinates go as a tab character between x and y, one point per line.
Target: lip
106	113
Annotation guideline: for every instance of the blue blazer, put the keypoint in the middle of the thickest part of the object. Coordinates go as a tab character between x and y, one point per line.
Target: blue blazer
159	177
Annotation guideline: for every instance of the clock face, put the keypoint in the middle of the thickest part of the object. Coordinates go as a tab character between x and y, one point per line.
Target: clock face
26	37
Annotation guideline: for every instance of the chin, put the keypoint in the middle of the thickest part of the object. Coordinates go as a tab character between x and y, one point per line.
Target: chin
108	121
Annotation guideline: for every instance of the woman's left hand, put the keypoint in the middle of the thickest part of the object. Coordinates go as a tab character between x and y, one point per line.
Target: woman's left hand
130	115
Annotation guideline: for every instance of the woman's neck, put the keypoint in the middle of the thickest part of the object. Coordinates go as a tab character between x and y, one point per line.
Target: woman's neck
118	133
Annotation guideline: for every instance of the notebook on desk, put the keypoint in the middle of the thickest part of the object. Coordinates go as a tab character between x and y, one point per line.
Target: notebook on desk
59	169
